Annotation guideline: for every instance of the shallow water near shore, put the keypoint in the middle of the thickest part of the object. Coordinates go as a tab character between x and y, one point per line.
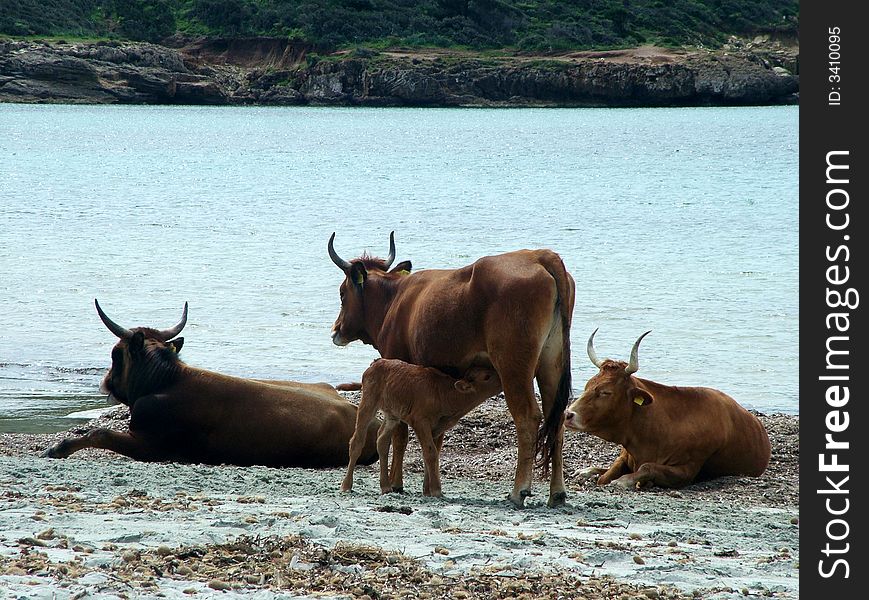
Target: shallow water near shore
682	221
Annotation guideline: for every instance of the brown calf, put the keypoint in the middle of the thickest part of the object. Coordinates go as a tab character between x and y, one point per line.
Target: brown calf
426	399
669	435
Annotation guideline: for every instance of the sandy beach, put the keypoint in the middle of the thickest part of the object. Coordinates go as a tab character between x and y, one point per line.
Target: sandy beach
99	525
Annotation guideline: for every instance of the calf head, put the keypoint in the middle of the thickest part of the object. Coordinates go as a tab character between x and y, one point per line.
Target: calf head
143	360
362	293
610	397
479	381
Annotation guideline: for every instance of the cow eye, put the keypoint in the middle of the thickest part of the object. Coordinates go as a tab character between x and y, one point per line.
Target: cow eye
605	393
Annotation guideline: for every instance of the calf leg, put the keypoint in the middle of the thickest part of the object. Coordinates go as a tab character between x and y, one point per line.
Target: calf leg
364	414
384	439
399	445
107	439
426	484
432	481
660	475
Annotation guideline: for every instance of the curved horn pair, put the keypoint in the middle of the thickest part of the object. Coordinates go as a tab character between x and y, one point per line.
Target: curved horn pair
632	367
345	266
124	333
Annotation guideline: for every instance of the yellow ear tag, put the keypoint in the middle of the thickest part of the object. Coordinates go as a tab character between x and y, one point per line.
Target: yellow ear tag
359	279
173	348
638	401
404	272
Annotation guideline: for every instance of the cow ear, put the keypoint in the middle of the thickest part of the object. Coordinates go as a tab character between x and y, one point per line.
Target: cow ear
641	397
358	274
175	345
464	386
402	268
137	342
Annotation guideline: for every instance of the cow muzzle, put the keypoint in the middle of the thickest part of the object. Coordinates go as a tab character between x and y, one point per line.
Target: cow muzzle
106	388
571	420
337	339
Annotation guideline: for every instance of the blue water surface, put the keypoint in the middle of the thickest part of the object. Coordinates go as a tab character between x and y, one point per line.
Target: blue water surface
683	221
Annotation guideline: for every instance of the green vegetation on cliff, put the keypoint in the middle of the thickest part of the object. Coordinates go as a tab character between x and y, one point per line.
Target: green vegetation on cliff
534	25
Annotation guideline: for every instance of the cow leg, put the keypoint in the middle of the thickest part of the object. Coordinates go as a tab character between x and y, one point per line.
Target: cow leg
522	404
399	445
619	468
660	475
432	482
106	439
364	414
547	379
384	439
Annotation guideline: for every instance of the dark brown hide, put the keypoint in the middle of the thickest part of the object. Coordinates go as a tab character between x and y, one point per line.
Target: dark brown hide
428	400
669	435
185	414
511	312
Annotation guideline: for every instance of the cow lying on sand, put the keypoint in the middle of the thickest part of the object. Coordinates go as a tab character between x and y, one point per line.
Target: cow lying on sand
670	436
181	413
428	400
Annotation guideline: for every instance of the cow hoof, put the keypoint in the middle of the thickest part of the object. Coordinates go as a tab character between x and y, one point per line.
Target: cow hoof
557	499
519	502
625	483
51	452
588	473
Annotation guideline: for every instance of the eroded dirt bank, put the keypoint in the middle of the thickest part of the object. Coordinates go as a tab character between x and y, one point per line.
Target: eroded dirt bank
276	72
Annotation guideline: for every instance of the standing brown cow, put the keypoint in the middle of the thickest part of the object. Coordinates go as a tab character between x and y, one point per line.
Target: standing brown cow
511	312
428	400
669	435
180	413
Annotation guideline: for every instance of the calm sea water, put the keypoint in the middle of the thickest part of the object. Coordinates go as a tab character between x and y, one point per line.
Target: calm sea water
682	221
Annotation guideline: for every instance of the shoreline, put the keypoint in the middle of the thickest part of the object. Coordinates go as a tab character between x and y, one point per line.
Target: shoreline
277	72
100	523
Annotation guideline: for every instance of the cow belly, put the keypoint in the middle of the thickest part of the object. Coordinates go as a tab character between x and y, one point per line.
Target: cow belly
293	445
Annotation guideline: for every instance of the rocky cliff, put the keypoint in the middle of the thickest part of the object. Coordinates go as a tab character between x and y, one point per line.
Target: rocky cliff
275	72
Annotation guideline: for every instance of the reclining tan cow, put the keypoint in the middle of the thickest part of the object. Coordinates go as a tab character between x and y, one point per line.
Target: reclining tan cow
428	400
669	435
181	413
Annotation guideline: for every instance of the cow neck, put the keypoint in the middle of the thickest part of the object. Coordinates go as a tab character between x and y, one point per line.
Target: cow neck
155	371
377	297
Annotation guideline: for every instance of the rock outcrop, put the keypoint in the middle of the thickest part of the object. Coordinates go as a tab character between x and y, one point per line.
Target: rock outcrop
276	72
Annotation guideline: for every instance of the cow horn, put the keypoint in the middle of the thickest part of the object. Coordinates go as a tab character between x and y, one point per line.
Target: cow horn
634	365
391	257
591	353
340	262
121	332
168	334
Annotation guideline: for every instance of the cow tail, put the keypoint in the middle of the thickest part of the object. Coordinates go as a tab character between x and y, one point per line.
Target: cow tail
550	429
